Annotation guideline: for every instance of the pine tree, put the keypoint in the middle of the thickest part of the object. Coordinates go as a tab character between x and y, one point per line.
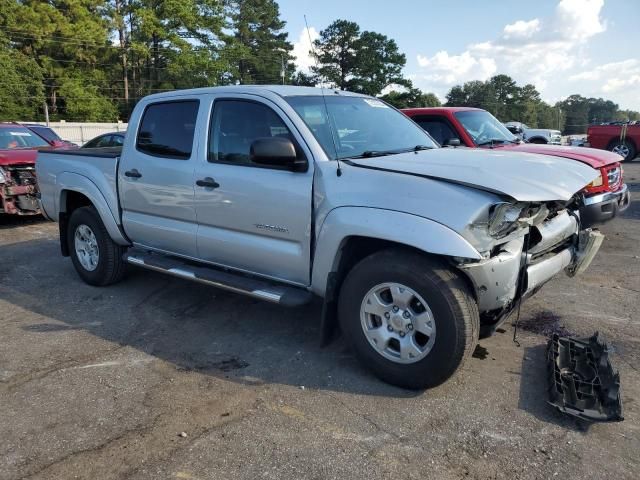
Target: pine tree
260	43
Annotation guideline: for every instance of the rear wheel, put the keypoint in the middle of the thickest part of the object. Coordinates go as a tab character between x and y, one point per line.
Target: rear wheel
96	258
624	148
410	319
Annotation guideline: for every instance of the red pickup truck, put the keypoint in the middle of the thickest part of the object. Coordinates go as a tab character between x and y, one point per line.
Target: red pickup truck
18	187
477	128
623	139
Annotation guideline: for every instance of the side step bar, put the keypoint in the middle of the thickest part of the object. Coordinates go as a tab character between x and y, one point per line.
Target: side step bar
281	294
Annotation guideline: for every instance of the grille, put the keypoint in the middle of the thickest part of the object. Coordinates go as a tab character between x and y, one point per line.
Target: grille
613	177
23	175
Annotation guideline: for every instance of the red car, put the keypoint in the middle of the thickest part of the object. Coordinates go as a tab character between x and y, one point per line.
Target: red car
477	128
18	187
623	139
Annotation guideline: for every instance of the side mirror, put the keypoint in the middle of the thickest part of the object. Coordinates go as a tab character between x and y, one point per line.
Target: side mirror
453	142
275	152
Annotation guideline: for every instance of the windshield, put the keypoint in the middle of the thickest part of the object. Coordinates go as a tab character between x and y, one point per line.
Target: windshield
20	137
484	128
362	126
48	134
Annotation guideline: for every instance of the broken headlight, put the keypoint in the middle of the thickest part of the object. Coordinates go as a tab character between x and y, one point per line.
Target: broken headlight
505	218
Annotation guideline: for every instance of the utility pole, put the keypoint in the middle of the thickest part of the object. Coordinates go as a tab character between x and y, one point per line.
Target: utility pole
123	45
282	67
46	113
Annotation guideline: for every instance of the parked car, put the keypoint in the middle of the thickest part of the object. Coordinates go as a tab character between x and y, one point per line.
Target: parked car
534	135
477	128
114	139
623	139
18	153
415	249
49	135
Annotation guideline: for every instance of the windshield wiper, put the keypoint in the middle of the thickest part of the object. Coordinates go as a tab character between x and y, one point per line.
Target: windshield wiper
371	153
493	141
417	148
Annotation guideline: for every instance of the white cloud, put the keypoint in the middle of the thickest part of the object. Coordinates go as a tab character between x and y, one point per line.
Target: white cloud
541	51
618	80
521	29
302	47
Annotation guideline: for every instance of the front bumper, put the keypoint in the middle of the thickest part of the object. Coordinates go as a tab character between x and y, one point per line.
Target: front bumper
501	279
18	199
605	206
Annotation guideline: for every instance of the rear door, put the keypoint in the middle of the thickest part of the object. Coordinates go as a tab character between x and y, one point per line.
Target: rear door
257	218
155	176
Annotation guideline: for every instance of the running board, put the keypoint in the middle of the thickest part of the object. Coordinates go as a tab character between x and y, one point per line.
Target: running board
281	294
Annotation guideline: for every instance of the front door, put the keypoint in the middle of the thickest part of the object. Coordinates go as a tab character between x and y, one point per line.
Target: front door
252	217
155	177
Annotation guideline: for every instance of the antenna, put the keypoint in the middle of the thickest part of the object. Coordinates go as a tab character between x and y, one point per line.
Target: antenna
324	99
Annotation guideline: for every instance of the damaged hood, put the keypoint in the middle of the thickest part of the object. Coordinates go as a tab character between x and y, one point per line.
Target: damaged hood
522	176
17	156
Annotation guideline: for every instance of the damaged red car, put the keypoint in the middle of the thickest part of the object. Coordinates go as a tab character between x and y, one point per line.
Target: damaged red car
18	187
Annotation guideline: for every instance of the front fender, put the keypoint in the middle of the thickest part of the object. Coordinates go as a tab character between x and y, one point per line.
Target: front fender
68	181
399	227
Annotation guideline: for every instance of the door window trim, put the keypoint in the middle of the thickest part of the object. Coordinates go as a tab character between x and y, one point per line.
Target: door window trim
193	140
209	138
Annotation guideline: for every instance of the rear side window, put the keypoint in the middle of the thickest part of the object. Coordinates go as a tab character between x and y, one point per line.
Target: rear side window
439	129
167	129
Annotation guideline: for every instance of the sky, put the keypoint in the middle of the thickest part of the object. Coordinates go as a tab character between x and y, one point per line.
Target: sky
563	47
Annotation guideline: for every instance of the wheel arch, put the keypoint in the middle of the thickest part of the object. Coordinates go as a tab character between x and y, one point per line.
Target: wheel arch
371	230
77	191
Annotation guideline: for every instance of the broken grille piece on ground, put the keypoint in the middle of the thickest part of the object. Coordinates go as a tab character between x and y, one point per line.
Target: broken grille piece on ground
582	382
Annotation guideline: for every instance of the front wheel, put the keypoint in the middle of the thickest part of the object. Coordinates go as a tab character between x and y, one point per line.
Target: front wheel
95	256
410	319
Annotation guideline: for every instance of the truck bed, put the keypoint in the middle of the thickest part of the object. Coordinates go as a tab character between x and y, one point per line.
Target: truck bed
94	169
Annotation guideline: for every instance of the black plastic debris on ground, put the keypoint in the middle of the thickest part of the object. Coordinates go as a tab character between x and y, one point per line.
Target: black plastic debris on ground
582	382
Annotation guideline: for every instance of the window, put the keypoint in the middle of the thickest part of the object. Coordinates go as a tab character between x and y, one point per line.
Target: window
19	137
236	124
117	141
48	134
347	126
167	129
438	128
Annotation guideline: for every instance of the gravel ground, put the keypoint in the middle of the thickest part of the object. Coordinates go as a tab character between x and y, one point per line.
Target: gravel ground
157	378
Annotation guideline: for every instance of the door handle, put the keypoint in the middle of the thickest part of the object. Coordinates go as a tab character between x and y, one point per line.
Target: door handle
133	173
207	182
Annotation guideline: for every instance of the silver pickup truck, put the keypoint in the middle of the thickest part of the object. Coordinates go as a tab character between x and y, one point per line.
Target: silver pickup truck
283	193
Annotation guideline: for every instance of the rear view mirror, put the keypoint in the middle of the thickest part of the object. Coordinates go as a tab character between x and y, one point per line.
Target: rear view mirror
453	142
276	152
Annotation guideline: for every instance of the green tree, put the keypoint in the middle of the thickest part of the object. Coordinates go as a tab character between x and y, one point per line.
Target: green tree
21	88
261	42
411	98
364	62
66	40
576	112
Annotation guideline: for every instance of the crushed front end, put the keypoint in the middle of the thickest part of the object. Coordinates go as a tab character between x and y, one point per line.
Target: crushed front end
524	248
18	189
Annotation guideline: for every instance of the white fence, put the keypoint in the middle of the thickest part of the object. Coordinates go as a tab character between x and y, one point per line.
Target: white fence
80	132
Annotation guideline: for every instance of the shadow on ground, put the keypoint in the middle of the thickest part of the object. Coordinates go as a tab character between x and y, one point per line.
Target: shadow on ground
192	326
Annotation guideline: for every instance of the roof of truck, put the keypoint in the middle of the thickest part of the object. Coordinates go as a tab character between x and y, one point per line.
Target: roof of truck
281	90
427	110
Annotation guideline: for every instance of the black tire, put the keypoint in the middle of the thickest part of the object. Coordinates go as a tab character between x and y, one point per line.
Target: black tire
539	141
624	143
110	266
454	310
